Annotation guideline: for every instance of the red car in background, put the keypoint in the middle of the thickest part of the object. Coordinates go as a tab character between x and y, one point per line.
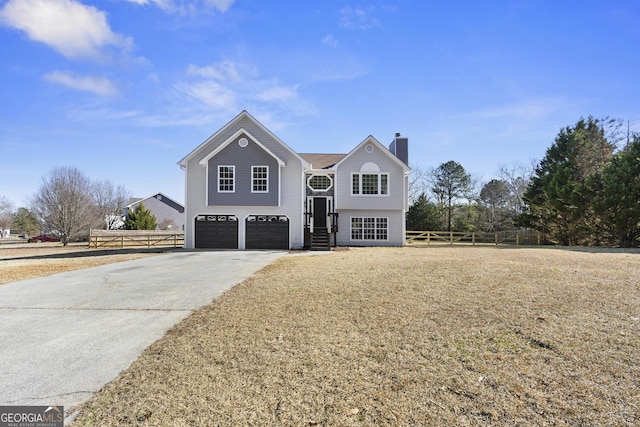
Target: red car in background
43	238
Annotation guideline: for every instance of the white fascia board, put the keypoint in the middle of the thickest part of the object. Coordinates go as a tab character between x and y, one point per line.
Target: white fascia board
329	171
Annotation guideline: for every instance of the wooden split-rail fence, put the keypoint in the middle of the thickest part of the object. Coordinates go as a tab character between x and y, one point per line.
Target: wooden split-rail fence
149	239
516	237
135	238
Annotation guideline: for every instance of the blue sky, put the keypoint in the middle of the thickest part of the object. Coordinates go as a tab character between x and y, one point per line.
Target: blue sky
123	89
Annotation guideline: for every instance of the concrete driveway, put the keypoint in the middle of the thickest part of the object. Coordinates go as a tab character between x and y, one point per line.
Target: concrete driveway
64	336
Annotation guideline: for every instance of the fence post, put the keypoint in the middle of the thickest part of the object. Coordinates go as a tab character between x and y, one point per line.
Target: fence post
451	237
473	238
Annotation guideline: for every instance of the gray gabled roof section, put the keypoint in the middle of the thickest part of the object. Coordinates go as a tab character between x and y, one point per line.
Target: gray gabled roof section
160	197
239	132
371	140
234	122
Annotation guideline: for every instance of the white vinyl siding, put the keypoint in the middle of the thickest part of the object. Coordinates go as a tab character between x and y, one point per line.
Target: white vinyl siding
287	188
259	179
368	184
366	228
226	179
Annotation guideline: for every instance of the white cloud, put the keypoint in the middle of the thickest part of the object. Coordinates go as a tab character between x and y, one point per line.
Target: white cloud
525	109
71	28
358	18
277	93
221	5
224	70
228	86
97	85
348	69
329	40
185	6
210	93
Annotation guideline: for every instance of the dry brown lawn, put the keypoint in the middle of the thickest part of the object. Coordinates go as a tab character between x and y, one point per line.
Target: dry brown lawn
20	261
400	337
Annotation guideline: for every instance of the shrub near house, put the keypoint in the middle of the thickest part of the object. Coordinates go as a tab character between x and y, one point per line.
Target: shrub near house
140	218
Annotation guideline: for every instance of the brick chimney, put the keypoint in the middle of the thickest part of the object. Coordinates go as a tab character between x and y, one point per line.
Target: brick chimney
400	148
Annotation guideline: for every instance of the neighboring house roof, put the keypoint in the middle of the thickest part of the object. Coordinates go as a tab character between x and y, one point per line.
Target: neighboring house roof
133	201
233	123
322	161
166	200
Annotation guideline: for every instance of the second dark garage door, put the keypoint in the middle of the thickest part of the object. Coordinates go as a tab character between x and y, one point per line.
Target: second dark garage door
267	232
216	232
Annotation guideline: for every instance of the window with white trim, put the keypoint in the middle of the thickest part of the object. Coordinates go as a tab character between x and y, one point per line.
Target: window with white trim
259	179
363	228
226	179
370	184
319	182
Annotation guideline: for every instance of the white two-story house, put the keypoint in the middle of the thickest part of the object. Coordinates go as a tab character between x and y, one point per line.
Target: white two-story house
247	189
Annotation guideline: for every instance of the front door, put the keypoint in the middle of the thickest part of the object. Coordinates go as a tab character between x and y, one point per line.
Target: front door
320	212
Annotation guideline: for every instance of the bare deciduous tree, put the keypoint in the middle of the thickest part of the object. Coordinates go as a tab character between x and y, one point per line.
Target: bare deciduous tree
517	178
494	200
418	182
110	201
6	214
167	224
64	204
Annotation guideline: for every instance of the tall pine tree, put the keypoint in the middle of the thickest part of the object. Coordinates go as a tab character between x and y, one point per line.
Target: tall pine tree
558	200
450	183
616	196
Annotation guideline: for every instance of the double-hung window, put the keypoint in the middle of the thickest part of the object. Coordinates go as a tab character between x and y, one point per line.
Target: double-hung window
259	179
363	228
226	179
370	184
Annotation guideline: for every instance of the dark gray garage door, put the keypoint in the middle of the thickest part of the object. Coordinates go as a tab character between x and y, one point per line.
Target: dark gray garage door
267	232
216	232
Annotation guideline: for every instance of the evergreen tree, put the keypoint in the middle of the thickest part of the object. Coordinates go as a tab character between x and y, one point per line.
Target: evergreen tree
466	218
558	201
616	196
423	215
25	222
140	218
451	182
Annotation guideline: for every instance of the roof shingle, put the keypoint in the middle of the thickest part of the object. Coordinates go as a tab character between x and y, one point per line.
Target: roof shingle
322	161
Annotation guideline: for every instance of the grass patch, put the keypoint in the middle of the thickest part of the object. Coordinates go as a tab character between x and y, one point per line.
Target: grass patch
400	336
29	260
